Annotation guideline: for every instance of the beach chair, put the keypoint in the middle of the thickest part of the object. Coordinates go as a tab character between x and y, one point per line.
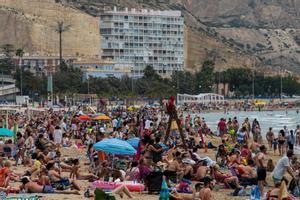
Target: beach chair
101	195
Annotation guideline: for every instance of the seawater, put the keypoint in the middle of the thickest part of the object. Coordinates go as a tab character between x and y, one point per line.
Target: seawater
266	119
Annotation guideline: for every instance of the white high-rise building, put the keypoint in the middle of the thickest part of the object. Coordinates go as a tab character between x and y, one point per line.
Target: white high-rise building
142	38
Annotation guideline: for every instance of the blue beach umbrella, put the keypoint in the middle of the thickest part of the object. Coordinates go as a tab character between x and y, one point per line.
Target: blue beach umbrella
115	147
134	142
4	132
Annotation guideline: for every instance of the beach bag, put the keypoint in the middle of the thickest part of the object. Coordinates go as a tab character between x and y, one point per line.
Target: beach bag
154	181
255	193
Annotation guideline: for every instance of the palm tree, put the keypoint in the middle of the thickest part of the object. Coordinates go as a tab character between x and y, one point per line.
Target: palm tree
60	29
20	52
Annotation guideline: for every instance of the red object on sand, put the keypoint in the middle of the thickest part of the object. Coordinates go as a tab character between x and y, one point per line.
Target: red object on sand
84	118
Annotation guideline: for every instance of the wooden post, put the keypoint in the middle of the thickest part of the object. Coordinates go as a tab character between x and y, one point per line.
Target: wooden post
174	116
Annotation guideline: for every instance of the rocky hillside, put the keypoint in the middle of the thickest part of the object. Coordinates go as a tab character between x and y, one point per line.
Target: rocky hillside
31	24
232	32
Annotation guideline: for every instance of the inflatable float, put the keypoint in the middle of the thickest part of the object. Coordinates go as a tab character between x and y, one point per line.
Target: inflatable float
132	187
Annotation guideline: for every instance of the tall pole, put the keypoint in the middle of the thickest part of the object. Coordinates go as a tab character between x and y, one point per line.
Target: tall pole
21	76
177	79
88	84
60	47
280	73
280	84
2	78
218	88
253	80
132	76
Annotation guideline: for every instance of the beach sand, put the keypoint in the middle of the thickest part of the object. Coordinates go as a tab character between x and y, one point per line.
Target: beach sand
223	194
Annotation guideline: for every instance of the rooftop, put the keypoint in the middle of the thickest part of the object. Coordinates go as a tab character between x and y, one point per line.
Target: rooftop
145	12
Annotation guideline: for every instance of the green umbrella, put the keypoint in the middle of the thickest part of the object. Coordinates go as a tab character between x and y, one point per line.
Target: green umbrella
4	132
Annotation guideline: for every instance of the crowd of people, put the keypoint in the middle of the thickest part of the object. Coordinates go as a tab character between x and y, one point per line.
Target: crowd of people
235	157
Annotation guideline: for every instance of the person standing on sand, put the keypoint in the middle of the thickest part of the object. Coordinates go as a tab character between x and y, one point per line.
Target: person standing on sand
281	142
222	127
297	133
282	166
291	140
270	137
261	168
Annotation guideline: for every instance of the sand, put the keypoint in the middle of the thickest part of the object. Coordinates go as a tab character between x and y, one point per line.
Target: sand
80	153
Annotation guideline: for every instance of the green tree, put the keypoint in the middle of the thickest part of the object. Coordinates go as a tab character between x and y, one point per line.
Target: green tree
6	62
150	73
205	78
60	29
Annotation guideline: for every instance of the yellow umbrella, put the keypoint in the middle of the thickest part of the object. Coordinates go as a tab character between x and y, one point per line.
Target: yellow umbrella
130	108
102	117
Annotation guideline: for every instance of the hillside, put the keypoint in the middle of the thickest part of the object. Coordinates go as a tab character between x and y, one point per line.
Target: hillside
31	24
233	33
231	30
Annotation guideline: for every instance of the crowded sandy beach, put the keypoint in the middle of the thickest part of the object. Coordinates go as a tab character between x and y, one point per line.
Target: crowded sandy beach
144	153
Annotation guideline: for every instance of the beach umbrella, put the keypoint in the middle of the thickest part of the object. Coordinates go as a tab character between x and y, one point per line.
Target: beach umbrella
134	142
101	117
84	118
4	132
130	108
115	147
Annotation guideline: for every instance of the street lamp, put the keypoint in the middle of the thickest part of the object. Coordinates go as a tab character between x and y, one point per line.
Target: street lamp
253	79
280	71
132	76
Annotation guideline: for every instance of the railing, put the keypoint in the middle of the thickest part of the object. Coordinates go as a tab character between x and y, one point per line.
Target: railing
8	89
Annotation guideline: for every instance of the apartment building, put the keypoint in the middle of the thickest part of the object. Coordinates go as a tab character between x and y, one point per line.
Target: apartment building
143	37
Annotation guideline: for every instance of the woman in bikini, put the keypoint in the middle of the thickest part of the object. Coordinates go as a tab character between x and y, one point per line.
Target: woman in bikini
281	142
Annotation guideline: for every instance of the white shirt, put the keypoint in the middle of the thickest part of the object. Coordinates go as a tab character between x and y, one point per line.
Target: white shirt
57	134
63	127
281	167
147	124
114	123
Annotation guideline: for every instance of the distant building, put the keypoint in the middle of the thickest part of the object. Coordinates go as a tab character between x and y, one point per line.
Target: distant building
103	69
144	38
40	64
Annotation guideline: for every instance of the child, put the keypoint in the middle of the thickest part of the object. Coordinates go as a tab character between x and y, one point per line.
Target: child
275	144
270	165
